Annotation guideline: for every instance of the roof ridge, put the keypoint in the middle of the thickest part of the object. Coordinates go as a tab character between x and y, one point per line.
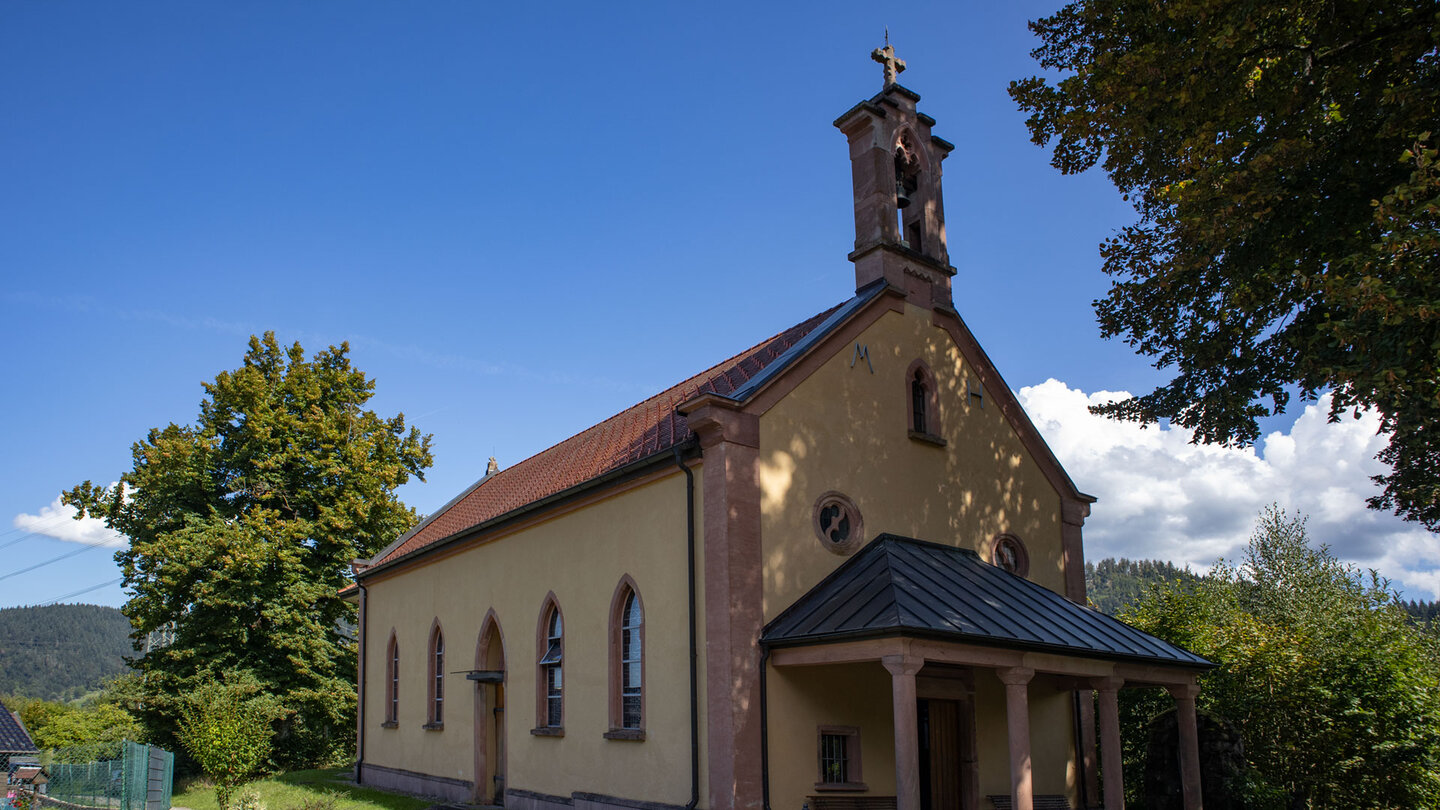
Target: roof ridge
707	373
650	426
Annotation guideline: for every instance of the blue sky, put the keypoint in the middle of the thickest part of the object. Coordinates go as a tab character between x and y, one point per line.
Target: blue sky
525	218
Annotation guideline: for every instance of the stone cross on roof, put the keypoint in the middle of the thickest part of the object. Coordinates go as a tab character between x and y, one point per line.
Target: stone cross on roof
886	56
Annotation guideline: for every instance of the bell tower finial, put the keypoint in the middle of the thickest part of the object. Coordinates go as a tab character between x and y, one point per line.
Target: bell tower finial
899	212
886	56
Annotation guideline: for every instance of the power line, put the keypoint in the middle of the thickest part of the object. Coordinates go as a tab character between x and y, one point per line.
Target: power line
67	555
43	523
22	539
115	581
33	535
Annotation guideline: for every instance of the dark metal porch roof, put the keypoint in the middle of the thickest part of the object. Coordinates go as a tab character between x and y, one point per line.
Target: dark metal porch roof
905	587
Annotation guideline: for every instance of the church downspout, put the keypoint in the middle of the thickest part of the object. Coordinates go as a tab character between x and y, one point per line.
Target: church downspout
694	656
764	731
360	694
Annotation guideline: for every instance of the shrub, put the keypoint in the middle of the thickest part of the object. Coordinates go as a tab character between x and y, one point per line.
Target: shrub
226	727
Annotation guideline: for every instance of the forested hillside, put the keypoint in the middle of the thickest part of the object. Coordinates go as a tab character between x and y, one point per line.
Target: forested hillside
1423	611
1113	584
60	652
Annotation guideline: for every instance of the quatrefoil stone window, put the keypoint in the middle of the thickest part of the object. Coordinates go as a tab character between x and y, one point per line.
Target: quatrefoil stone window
1009	553
838	523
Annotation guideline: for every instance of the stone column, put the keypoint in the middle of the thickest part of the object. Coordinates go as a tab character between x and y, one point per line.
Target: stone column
907	729
729	442
1106	690
1189	743
1017	716
1089	754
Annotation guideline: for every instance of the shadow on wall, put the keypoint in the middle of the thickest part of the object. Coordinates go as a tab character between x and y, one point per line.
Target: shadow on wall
848	428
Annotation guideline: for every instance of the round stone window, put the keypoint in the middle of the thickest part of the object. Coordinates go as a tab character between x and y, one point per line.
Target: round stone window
1009	553
838	523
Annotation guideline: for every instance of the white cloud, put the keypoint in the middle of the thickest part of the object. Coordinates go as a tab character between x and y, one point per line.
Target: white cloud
58	521
1162	497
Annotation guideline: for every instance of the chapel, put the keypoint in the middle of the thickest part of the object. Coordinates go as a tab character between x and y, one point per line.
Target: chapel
840	570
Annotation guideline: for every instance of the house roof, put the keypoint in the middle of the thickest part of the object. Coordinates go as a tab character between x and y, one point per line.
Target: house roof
639	432
13	737
900	586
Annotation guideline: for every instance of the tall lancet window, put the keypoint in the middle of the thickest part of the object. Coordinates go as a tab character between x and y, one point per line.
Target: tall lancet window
632	661
918	396
552	669
437	677
922	396
392	682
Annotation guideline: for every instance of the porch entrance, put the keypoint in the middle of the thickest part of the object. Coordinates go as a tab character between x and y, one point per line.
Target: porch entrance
935	616
947	754
489	677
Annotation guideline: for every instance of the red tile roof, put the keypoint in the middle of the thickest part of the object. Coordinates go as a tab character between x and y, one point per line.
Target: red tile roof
642	430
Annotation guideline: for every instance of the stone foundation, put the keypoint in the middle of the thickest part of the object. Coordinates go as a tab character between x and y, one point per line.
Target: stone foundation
456	790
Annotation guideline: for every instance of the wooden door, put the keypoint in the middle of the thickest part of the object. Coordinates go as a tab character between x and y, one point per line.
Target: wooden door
945	755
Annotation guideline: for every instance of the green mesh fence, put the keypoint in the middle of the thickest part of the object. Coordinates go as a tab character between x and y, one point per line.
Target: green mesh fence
122	775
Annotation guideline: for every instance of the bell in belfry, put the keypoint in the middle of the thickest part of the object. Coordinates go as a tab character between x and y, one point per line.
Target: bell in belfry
902	197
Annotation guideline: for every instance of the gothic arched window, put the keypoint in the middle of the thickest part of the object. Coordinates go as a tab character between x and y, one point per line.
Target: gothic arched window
392	682
550	667
436	668
627	663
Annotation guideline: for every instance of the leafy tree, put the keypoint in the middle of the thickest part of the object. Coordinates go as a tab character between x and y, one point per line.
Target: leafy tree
1281	160
38	714
99	722
225	726
241	529
1335	691
102	718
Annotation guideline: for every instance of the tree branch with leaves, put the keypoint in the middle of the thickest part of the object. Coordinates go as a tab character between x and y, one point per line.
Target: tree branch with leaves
1281	161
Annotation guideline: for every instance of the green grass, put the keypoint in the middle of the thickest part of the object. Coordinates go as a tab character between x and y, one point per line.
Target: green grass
303	790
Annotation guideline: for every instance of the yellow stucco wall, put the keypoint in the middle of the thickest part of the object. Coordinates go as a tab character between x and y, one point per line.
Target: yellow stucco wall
844	695
801	699
845	428
581	557
1052	738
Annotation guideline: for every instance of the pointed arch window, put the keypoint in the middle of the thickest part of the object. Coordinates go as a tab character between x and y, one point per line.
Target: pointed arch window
918	396
392	683
923	404
550	669
436	667
627	663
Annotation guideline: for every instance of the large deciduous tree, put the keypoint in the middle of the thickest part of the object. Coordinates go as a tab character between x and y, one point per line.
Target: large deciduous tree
241	529
1335	691
1281	157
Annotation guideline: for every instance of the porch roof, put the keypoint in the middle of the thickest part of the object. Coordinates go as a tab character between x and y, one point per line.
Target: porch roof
899	586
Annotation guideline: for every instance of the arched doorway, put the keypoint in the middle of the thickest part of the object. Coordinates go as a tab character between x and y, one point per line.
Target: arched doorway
489	677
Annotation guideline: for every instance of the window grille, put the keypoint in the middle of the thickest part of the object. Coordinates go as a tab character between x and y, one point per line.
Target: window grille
438	705
917	402
631	662
553	667
834	759
393	712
